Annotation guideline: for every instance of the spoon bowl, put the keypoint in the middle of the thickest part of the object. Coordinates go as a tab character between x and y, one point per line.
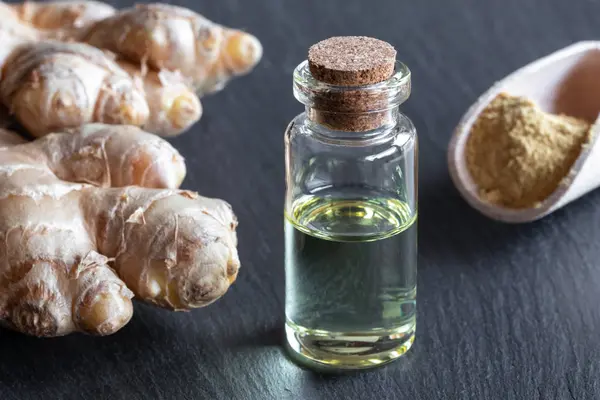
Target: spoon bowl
564	82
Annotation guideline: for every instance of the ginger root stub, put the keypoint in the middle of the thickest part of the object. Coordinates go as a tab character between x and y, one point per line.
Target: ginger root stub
518	155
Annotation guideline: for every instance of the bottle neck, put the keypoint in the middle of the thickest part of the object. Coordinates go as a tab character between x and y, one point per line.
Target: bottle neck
352	108
353	121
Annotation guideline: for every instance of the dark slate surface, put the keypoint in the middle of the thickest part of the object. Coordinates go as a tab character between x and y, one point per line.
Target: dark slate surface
505	312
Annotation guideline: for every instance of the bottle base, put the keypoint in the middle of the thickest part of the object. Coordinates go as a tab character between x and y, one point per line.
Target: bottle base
349	350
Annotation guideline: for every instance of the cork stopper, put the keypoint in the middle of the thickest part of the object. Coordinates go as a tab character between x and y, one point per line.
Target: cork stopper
351	62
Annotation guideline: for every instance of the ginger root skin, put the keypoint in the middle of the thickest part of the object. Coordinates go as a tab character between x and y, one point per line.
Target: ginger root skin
173	105
58	15
80	235
175	38
46	84
171	56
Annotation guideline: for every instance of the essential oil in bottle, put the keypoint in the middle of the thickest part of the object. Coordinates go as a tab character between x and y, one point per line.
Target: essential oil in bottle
351	208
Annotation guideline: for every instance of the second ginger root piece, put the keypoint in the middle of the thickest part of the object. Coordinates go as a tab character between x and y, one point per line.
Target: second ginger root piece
165	56
77	242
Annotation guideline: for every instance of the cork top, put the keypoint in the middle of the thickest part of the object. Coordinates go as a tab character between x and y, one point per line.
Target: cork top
352	60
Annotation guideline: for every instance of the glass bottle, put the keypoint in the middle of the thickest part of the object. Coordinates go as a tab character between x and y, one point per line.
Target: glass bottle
351	223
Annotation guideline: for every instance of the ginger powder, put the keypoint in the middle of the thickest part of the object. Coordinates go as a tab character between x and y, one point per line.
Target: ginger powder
518	155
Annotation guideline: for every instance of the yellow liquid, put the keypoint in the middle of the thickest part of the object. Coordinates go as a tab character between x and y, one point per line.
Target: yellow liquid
350	279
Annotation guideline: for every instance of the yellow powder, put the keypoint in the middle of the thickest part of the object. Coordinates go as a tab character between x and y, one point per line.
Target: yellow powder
518	155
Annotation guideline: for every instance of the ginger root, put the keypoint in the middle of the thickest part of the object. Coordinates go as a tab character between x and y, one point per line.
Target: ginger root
85	226
68	63
47	83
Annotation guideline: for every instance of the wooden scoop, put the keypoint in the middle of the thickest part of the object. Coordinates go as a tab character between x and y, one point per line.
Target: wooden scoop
568	82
